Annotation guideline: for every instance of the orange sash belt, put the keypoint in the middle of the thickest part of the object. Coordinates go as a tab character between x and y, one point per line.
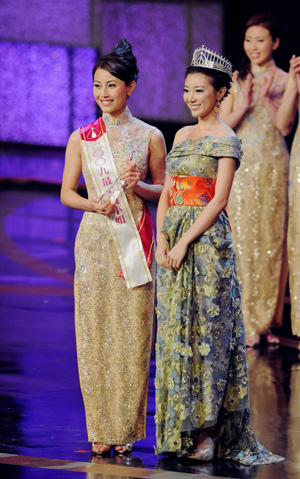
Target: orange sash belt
192	190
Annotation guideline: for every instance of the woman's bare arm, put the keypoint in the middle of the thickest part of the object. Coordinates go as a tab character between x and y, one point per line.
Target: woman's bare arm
162	243
287	110
228	114
71	176
157	157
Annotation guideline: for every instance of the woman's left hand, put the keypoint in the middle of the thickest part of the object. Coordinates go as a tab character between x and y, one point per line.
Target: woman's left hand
131	175
176	254
265	88
295	70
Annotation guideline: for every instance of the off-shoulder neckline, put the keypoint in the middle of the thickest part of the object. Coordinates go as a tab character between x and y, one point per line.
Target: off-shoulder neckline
205	137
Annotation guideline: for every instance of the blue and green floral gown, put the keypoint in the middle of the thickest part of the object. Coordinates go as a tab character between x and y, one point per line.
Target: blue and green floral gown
201	377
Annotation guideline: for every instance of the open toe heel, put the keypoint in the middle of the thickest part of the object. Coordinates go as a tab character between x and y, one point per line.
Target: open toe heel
124	449
99	449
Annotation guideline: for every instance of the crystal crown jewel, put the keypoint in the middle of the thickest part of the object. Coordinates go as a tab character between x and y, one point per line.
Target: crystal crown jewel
204	57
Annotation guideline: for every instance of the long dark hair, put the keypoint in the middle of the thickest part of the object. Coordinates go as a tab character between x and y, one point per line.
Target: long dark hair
120	62
218	78
267	21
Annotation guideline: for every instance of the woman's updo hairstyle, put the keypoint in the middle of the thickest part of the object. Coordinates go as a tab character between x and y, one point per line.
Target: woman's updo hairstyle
218	78
120	62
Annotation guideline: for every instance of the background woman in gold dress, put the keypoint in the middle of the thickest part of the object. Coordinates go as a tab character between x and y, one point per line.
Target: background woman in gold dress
285	119
258	201
114	324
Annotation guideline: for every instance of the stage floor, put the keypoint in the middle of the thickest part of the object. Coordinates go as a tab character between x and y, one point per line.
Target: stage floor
43	431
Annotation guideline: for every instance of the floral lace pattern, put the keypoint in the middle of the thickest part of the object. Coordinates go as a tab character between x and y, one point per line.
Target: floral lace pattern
201	378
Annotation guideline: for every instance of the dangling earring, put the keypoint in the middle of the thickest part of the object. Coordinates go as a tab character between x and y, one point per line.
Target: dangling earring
217	106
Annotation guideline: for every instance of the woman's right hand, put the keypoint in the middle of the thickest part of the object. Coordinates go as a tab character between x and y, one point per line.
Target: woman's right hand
247	91
161	253
102	208
265	87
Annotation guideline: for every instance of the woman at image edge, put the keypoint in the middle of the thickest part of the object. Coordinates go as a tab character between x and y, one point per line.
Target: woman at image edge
114	323
201	380
285	119
258	201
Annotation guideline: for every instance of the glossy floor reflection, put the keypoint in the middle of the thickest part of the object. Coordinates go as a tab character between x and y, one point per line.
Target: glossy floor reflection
42	417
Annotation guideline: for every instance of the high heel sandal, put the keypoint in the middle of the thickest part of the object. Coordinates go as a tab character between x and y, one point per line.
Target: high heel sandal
271	338
126	448
207	448
98	445
204	453
252	340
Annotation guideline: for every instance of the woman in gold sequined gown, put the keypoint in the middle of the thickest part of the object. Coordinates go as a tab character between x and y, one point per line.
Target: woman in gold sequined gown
114	324
285	119
258	201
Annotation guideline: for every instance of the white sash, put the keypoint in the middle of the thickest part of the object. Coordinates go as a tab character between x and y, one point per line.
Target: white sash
103	171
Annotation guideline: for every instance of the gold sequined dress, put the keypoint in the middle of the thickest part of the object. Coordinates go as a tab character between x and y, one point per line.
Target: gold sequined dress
294	231
258	208
114	324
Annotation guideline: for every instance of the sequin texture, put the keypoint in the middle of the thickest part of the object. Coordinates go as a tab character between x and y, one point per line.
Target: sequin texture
113	323
258	210
294	231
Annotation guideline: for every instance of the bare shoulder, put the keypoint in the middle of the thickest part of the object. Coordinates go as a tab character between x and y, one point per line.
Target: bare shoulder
75	137
157	137
74	142
183	134
235	75
281	76
157	143
225	130
281	72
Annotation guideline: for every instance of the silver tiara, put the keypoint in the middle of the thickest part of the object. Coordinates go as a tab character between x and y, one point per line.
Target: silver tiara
203	57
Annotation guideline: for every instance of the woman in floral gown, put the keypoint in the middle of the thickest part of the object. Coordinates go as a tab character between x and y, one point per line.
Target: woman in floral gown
201	380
